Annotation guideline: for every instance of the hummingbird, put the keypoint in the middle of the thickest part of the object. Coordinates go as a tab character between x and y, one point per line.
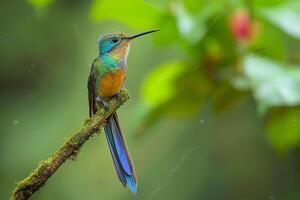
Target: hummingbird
106	79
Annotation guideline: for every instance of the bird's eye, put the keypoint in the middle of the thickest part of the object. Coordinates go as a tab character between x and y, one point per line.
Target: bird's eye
115	40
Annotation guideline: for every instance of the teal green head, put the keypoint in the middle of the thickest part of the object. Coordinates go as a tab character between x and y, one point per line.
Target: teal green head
117	44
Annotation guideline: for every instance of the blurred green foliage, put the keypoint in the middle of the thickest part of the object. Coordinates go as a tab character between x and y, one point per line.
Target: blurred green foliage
40	3
205	89
286	17
212	55
143	17
284	128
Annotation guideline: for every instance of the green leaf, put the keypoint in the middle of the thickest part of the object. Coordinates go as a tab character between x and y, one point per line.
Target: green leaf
159	86
284	128
191	89
286	17
40	3
175	89
136	13
163	5
273	84
266	3
192	29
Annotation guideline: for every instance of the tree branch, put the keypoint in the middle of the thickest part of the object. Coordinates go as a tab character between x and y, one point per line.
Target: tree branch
68	150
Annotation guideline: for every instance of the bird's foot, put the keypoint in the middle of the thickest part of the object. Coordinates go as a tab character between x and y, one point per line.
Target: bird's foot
117	95
102	102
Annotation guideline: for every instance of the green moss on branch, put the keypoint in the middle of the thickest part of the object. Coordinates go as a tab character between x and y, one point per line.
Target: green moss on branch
68	150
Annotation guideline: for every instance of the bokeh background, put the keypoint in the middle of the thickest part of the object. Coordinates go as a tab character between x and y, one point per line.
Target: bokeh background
214	110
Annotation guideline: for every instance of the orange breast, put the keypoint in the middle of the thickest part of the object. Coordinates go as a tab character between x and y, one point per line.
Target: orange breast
111	83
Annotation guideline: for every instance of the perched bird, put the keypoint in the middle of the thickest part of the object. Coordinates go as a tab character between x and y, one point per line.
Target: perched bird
106	79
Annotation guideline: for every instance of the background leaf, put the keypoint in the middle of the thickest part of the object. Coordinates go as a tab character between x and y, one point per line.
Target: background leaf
191	28
175	89
40	3
273	84
286	17
284	128
159	86
137	14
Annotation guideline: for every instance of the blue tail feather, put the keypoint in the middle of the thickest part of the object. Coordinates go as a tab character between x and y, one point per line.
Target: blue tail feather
120	145
120	153
131	183
118	167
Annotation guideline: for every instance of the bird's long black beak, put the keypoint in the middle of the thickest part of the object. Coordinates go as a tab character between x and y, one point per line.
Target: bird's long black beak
141	34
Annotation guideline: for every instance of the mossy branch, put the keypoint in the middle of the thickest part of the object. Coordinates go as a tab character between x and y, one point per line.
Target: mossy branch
68	150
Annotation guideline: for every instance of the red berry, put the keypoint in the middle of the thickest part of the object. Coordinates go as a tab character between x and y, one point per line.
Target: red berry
240	25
